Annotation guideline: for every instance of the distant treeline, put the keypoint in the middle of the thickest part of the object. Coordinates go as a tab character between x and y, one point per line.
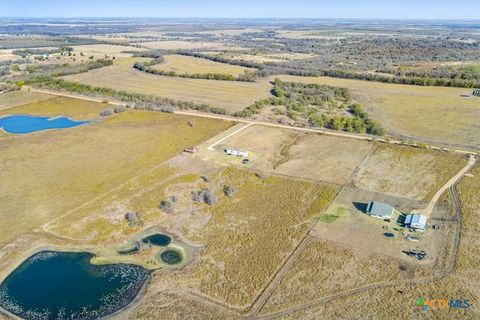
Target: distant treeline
308	101
274	68
248	76
141	101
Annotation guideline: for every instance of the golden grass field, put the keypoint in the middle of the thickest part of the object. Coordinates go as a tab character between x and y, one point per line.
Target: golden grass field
399	301
433	114
21	97
244	239
105	49
179	44
185	64
295	154
408	172
73	166
231	95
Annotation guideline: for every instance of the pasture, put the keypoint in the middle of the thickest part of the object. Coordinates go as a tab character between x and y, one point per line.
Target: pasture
185	64
179	44
231	95
21	97
100	50
74	166
438	115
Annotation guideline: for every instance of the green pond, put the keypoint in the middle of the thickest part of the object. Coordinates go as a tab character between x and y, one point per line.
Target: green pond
65	285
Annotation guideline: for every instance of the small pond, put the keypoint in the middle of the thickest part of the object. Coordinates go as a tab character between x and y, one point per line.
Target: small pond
171	257
65	285
158	240
21	124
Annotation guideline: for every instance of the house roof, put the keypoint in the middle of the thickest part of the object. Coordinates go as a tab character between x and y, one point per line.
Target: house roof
380	209
416	219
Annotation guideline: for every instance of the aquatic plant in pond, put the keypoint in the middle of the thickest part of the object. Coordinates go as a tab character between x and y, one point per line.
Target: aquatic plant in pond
21	124
171	257
158	239
64	285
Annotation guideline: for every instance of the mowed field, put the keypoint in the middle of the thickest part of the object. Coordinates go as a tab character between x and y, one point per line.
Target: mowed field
231	95
184	64
179	44
433	114
46	174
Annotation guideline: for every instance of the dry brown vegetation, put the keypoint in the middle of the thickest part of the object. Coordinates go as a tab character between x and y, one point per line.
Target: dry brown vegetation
21	97
231	95
248	236
408	172
433	114
73	166
309	156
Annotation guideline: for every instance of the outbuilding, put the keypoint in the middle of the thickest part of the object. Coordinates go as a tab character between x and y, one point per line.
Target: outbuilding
380	210
416	221
476	92
236	152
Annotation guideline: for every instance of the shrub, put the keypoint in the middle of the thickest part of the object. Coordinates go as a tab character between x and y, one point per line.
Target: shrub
166	206
205	195
229	191
106	112
119	109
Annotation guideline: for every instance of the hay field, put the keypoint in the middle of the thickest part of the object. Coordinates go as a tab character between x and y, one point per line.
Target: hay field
73	166
178	44
433	114
105	49
408	172
18	98
184	64
232	95
292	153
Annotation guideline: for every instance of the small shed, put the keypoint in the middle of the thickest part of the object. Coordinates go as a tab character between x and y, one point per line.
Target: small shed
380	210
416	221
236	152
476	92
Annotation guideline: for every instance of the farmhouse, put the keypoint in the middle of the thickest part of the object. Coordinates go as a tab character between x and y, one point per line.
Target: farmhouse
416	221
380	210
236	152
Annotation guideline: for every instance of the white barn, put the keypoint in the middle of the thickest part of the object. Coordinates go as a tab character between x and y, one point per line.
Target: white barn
236	152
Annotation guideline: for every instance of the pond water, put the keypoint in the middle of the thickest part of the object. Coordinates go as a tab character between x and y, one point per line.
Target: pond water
21	124
171	257
64	285
158	239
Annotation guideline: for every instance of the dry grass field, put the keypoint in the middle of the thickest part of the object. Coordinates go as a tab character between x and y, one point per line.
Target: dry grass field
325	268
399	300
184	64
174	306
434	114
288	152
18	98
73	166
178	44
99	50
241	248
7	54
232	95
408	172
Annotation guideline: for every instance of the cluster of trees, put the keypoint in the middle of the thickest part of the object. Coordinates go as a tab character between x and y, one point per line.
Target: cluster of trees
141	101
248	76
309	102
462	72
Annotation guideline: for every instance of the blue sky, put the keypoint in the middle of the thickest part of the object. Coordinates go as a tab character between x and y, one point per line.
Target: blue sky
382	9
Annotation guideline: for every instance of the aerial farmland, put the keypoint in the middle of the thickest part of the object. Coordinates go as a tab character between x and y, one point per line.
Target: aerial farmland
231	169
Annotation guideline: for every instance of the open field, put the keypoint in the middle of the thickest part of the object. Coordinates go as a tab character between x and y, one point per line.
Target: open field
408	172
185	64
239	248
73	166
105	49
325	268
232	95
7	54
296	154
178	44
398	300
434	114
21	97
